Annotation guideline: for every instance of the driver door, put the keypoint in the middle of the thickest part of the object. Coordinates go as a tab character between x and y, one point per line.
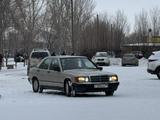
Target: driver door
55	75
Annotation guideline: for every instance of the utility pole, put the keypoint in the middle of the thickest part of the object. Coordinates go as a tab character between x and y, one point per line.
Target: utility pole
97	39
73	49
111	40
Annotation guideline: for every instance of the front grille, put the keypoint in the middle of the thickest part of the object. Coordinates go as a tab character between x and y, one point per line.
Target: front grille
100	59
103	78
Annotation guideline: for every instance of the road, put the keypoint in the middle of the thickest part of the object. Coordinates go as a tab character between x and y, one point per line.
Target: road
137	98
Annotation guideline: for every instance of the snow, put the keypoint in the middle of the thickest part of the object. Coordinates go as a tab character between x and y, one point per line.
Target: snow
137	98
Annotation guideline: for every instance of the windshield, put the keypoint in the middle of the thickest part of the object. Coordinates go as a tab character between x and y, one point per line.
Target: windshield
102	54
76	63
40	55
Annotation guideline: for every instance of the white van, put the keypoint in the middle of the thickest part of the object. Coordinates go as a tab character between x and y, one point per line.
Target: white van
154	63
36	56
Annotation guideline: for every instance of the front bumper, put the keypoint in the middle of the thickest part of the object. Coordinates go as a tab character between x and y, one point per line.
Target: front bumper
103	63
151	71
93	87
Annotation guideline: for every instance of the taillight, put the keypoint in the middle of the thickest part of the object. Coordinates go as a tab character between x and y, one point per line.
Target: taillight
152	60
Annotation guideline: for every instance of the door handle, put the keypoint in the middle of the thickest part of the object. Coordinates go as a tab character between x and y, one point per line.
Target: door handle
48	72
38	70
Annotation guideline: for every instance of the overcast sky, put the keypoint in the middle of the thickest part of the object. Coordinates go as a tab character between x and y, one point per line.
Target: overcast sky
130	7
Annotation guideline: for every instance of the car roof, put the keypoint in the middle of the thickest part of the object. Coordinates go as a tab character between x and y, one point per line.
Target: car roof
40	50
66	56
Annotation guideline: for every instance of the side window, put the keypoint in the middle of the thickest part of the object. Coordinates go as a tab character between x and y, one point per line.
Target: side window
55	65
45	64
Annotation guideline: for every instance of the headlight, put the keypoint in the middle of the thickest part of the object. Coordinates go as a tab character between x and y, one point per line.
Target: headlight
113	78
82	79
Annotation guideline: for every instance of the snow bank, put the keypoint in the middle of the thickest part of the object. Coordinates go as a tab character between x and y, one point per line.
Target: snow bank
118	61
137	98
115	61
143	62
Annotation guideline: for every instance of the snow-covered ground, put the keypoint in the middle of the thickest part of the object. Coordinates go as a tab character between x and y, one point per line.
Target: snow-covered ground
137	98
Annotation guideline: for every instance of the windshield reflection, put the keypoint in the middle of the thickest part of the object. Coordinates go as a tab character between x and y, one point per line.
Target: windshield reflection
76	63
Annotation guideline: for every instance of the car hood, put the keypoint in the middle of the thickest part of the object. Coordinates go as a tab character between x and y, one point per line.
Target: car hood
87	72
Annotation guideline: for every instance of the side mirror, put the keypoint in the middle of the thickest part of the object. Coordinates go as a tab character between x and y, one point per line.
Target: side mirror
100	68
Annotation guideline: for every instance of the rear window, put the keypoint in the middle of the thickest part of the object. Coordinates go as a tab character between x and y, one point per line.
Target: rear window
39	55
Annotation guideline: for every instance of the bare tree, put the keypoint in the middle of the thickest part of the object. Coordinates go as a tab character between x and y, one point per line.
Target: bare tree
26	16
83	12
59	23
155	20
120	26
4	20
141	26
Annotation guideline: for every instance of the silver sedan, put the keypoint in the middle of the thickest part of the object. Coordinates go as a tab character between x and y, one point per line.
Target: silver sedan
72	75
129	59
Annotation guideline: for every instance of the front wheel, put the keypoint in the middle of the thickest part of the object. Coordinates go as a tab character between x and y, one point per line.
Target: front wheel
35	85
69	90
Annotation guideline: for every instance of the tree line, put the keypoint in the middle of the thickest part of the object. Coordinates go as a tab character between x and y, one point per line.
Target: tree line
60	25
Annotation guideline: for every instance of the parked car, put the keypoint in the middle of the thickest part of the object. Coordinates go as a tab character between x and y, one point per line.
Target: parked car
72	74
154	63
129	59
19	58
101	58
36	56
138	54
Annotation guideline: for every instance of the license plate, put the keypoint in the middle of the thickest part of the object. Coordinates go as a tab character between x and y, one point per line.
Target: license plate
101	86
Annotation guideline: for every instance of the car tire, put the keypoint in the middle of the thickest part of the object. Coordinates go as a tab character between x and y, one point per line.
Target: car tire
40	89
109	93
123	65
35	85
158	73
69	90
107	64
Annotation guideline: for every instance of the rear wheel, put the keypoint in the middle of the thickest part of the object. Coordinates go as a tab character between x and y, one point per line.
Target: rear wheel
109	93
123	65
158	73
35	85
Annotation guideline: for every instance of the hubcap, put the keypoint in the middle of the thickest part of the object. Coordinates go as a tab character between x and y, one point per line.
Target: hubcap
35	84
67	88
